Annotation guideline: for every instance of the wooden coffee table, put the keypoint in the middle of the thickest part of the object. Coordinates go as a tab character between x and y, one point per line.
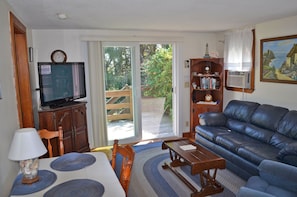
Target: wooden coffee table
202	161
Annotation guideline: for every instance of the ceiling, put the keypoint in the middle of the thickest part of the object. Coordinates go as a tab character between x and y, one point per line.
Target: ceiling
164	15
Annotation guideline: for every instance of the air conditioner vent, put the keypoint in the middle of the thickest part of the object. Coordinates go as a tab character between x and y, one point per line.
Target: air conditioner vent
238	79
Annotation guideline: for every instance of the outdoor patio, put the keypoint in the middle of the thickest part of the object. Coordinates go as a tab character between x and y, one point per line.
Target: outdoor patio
155	123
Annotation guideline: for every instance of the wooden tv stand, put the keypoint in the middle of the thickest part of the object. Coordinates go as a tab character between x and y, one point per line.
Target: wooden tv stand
73	120
185	152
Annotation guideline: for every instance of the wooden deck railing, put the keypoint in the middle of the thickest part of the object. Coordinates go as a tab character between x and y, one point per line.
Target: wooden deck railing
119	105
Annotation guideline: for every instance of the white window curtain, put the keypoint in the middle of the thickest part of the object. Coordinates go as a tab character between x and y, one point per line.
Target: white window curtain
238	50
97	93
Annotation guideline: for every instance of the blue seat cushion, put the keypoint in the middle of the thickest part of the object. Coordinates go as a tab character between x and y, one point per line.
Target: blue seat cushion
258	151
233	141
210	132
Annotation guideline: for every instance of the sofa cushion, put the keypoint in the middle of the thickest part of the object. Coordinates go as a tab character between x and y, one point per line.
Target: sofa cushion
233	140
212	119
288	125
211	133
268	116
256	152
258	184
248	192
279	175
240	110
280	141
261	134
235	125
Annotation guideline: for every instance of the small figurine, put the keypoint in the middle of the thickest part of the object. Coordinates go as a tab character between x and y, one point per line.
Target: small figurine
206	52
194	85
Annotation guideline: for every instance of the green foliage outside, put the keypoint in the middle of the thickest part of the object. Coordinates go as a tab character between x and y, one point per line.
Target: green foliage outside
117	64
158	70
156	66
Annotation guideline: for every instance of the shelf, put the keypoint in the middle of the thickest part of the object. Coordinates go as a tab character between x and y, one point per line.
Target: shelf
206	89
206	75
207	102
205	83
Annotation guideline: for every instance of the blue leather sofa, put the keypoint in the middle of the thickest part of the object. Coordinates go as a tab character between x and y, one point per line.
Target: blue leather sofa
246	133
275	179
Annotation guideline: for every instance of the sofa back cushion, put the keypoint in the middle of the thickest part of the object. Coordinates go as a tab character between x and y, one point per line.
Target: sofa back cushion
258	133
240	110
268	116
280	141
235	125
288	125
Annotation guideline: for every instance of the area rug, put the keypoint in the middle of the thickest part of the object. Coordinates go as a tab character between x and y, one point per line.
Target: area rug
148	178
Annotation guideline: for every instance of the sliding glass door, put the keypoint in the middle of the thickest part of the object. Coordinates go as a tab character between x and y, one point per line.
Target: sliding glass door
138	85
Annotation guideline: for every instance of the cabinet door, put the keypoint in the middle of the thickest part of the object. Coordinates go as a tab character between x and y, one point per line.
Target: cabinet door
64	118
47	120
80	129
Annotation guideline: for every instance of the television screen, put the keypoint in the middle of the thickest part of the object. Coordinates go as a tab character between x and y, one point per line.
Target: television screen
61	83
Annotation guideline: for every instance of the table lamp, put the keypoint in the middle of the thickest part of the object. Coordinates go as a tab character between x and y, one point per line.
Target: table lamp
26	147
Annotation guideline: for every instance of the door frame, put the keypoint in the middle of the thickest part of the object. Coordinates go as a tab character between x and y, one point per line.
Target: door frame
21	72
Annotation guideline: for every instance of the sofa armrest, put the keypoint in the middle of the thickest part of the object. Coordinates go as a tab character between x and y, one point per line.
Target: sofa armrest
247	192
288	154
279	174
212	119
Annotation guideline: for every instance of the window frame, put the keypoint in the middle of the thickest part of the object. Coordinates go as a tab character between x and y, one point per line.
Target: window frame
252	73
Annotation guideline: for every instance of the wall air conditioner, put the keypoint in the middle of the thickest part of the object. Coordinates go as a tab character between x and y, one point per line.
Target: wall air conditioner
239	79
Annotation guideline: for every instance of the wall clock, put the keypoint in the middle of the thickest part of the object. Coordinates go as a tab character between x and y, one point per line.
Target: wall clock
58	56
208	97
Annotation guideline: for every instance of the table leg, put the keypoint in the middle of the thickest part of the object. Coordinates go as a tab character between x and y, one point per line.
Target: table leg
176	160
183	179
209	185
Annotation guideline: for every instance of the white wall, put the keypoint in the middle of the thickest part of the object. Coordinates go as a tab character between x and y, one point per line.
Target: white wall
8	111
271	93
192	45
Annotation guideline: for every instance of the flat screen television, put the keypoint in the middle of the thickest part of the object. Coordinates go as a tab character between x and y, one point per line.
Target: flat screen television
61	83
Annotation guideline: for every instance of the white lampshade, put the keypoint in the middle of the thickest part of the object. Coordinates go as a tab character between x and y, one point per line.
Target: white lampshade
26	144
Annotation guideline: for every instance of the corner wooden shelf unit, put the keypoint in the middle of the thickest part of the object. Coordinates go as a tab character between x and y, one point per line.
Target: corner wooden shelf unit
206	88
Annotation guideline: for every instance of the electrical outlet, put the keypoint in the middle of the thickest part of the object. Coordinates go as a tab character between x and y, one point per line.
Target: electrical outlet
187	63
187	84
187	123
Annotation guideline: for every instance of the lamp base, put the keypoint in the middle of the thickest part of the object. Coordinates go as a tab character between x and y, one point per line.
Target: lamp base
29	169
30	181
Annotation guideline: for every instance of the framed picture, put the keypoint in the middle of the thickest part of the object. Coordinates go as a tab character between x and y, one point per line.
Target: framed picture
278	59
